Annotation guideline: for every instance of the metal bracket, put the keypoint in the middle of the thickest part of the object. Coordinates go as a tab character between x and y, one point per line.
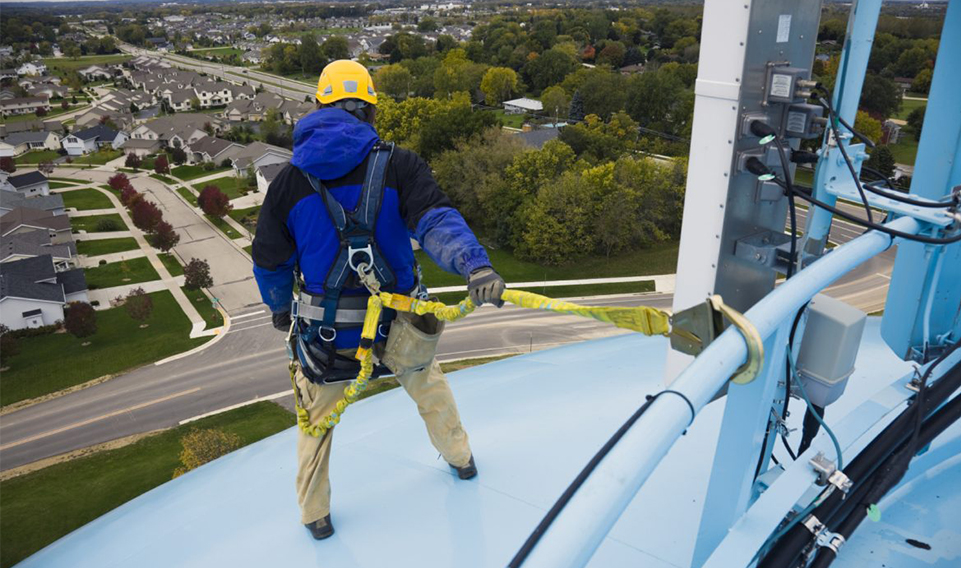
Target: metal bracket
829	474
693	329
823	536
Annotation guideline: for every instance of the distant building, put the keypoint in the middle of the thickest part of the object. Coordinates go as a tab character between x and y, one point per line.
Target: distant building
522	105
24	105
21	142
258	154
536	138
92	139
33	293
266	174
25	219
212	149
37	243
30	184
49	204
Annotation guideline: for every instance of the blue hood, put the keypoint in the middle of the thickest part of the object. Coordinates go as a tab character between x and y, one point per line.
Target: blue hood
330	142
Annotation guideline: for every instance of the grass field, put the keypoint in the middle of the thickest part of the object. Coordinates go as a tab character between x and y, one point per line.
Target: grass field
164	179
186	194
37	156
908	105
224	227
231	185
171	263
906	150
99	157
62	65
121	273
85	199
60	184
510	120
193	172
205	306
55	111
106	246
40	507
53	362
89	223
217	51
246	217
569	291
658	259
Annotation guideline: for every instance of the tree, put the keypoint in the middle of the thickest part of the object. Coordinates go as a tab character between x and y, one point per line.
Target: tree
577	106
427	24
179	155
8	165
9	345
41	112
165	237
80	319
498	84
612	54
868	126
65	104
880	96
336	47
195	104
394	80
118	181
922	81
132	161
214	202
312	58
203	446
556	102
129	196
916	121
882	159
161	165
146	215
549	68
197	275
139	305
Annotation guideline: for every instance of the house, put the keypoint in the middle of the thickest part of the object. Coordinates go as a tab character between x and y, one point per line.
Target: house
21	142
24	219
522	105
37	243
96	73
24	105
100	115
92	139
258	154
213	94
892	130
140	147
33	293
178	130
50	204
632	69
212	149
266	174
295	110
253	109
538	137
29	184
32	68
30	126
48	90
179	101
905	83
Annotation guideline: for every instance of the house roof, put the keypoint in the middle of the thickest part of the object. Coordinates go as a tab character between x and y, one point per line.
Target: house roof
25	100
525	103
25	279
34	218
72	280
138	144
32	243
18	138
27	179
255	150
537	138
99	132
12	200
211	145
270	171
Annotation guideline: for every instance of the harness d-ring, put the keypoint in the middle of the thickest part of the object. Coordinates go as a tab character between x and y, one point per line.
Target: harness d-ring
333	334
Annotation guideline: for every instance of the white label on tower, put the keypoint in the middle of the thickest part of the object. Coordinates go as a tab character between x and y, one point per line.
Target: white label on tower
781	86
783	28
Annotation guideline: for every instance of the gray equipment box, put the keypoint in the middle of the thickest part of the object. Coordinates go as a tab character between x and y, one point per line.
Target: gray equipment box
829	347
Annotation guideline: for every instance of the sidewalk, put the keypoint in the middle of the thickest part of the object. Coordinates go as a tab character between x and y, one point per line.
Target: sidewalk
239	243
92	261
105	295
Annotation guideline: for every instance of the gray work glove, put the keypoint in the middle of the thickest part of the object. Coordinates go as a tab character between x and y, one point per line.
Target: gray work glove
281	320
485	287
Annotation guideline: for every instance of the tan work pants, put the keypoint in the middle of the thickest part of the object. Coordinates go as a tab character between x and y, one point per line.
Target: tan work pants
436	405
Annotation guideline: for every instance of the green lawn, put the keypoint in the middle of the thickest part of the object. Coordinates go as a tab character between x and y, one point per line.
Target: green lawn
906	150
510	120
89	222
120	273
84	199
217	51
99	157
37	156
206	308
231	185
569	291
246	217
188	195
657	259
249	249
62	65
106	246
908	105
55	111
171	263
53	362
164	179
40	507
60	185
194	172
224	227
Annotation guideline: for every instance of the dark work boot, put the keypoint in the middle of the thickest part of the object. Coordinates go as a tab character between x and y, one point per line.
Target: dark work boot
321	528
466	472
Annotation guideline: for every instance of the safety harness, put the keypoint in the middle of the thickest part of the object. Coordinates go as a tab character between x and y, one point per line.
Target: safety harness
316	319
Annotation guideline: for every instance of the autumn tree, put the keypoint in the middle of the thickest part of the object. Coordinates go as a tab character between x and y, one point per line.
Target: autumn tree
146	215
178	155
394	80
161	165
498	84
165	237
118	181
214	202
80	319
129	196
197	275
139	305
132	161
8	165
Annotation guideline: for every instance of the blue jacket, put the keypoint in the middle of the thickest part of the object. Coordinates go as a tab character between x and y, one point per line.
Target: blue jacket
294	230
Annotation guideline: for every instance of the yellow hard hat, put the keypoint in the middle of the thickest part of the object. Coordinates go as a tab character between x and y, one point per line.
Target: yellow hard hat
345	79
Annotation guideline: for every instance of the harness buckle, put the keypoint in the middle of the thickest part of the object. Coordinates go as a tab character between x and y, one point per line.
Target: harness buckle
363	266
333	334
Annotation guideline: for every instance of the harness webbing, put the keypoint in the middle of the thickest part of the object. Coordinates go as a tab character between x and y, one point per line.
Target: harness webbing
642	319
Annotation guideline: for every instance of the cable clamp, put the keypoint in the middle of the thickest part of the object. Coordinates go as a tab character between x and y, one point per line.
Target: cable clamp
829	474
822	536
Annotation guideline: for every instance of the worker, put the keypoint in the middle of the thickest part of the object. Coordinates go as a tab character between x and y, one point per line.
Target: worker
344	208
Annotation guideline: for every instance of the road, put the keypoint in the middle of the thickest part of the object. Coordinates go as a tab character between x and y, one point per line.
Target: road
250	362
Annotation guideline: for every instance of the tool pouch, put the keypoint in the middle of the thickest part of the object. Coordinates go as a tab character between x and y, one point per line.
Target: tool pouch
411	342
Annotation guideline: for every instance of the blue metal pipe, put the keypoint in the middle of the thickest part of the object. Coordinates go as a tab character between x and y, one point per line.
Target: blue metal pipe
577	532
